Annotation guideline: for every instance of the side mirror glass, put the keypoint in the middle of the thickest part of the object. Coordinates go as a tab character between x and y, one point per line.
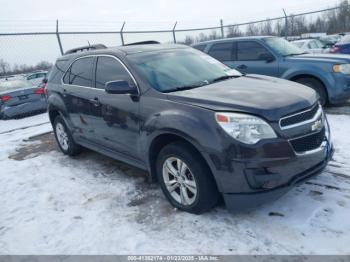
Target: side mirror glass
119	87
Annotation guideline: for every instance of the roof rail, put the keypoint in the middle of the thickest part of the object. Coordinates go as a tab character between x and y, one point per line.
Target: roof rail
150	42
85	48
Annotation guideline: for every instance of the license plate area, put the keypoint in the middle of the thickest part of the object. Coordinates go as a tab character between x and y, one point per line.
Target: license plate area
23	97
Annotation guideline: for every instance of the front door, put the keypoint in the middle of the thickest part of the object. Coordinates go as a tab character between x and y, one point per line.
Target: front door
252	58
118	126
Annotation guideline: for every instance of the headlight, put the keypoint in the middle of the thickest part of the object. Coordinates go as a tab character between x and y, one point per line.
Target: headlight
344	68
245	128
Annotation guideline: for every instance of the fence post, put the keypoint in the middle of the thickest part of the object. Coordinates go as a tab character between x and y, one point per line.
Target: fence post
58	38
174	36
286	24
222	28
121	33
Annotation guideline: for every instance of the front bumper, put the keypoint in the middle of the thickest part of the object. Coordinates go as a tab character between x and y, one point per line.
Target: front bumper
340	90
243	201
249	176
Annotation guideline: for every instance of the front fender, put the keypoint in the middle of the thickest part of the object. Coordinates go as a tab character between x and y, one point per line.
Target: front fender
325	77
179	123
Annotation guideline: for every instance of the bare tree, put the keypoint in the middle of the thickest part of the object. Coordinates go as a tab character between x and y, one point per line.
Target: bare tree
4	67
233	31
252	30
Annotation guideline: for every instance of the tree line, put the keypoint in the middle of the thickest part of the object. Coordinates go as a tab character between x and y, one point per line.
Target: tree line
6	69
330	22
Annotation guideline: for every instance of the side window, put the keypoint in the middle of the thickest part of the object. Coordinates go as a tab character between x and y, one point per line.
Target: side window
251	51
200	47
109	69
311	45
222	51
80	73
31	77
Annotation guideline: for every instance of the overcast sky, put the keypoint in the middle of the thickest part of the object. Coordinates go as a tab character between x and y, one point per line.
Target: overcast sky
108	15
146	13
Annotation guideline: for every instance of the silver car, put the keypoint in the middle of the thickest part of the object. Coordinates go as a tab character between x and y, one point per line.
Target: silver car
313	46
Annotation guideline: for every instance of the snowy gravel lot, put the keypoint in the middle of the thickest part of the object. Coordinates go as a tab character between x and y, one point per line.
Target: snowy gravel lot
91	204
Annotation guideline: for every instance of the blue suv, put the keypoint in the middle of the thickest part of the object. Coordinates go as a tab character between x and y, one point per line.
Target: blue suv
327	74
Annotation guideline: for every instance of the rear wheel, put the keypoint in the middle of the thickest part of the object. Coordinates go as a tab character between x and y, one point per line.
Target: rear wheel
315	85
64	138
185	179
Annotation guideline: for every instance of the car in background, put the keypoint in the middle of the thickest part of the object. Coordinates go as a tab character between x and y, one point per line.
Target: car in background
327	74
313	46
19	98
330	40
342	47
36	77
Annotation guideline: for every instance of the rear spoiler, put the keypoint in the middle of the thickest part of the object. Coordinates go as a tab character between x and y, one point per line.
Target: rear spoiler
150	42
85	48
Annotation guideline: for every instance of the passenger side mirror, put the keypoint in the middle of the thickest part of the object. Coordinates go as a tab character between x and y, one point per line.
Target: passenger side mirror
267	57
119	87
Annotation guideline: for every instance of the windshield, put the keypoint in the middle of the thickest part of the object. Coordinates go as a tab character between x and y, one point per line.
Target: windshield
283	47
14	84
180	69
298	44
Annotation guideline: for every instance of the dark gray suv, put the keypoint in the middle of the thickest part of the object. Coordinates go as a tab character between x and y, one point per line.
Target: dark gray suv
201	129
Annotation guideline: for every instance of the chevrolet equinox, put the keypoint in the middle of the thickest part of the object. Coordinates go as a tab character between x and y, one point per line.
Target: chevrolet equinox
201	129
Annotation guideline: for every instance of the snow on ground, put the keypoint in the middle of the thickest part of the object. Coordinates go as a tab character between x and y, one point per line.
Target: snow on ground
91	204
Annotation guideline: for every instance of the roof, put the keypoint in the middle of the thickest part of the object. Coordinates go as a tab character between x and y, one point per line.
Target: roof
233	38
133	49
126	50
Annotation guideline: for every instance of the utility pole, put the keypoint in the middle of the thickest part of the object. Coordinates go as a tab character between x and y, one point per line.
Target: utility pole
58	38
222	28
286	24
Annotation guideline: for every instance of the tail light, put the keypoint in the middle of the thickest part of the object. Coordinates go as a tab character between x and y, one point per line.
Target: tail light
42	84
335	49
5	98
40	91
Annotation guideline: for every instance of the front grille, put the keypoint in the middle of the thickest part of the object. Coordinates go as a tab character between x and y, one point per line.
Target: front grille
309	142
299	117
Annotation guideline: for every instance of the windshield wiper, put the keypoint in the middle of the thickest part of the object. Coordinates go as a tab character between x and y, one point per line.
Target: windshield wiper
293	54
187	87
221	78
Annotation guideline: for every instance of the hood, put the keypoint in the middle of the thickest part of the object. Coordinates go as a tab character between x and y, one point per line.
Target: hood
324	57
268	97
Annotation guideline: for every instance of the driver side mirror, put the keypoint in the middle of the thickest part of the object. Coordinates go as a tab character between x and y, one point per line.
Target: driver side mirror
267	57
120	87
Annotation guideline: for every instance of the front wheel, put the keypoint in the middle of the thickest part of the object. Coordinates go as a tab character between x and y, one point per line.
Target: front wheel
315	85
64	138
185	179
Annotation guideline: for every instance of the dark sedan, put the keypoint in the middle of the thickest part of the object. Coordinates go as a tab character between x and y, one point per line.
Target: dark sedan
19	98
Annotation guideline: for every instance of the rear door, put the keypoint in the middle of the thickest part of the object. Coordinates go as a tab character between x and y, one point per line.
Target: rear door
223	52
251	58
118	128
80	95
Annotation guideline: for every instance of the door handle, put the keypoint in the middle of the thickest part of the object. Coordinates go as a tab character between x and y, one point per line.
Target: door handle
242	67
95	101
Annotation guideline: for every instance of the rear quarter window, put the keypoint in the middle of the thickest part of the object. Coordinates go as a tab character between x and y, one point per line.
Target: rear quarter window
80	72
200	47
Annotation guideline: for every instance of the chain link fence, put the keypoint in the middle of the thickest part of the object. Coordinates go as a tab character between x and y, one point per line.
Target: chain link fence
18	50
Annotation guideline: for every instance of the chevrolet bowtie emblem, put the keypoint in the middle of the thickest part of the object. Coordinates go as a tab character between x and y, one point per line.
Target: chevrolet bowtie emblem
317	125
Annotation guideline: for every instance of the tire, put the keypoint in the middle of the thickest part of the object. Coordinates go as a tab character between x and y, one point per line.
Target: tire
64	138
315	85
193	190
